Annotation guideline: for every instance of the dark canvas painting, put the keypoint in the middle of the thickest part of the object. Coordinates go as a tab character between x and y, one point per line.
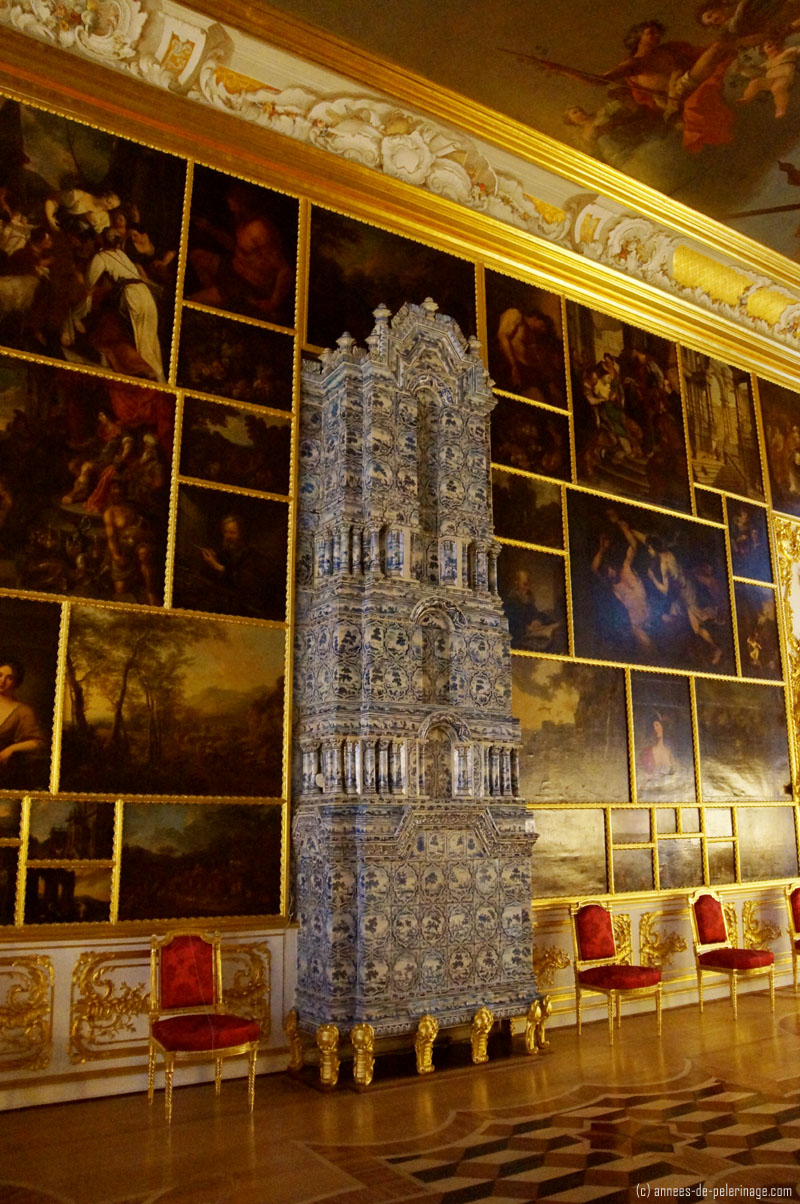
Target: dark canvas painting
722	429
709	505
780	411
648	588
626	402
63	895
680	864
759	647
84	483
91	230
242	248
570	854
742	740
235	360
574	731
526	342
180	861
633	869
230	554
747	525
28	656
662	727
81	831
172	705
531	588
354	268
8	884
530	439
527	510
10	809
230	446
767	843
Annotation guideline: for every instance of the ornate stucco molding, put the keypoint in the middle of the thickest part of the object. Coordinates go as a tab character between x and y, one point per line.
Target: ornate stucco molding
26	1012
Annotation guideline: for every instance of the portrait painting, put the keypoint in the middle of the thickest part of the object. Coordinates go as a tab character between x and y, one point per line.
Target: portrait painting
662	737
170	704
526	509
526	340
633	869
780	413
574	731
68	895
354	268
242	248
743	743
708	505
747	528
680	864
570	854
529	438
10	813
85	468
64	831
723	440
207	859
29	634
650	588
231	446
756	621
626	403
235	360
767	843
230	554
89	235
532	591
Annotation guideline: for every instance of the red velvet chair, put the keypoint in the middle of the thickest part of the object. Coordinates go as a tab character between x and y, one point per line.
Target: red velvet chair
598	967
793	908
187	1019
715	952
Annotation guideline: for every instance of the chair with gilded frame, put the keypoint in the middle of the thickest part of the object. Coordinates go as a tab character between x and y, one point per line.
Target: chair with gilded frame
792	892
715	952
188	1022
599	968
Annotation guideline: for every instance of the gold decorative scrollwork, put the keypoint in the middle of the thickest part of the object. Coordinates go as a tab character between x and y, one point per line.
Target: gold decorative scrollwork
247	991
622	937
101	1008
546	962
732	921
757	934
787	537
26	1012
657	948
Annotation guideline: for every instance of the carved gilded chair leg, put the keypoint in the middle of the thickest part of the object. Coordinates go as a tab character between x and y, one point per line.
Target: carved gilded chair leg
772	988
169	1068
151	1074
579	1008
794	967
611	1019
734	1000
251	1078
619	1011
658	1009
217	1075
700	987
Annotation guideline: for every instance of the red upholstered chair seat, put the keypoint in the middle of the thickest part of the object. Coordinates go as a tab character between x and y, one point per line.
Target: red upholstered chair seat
710	920
619	978
736	959
197	1033
794	903
595	933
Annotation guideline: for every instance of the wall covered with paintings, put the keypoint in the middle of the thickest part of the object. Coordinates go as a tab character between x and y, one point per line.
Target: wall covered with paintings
154	315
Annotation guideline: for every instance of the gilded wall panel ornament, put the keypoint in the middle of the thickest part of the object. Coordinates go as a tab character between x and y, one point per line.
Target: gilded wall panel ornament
105	1009
26	1012
732	921
246	982
547	962
623	938
657	947
787	536
757	933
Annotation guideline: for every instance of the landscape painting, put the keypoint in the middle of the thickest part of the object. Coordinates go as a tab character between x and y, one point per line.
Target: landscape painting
744	751
570	855
767	843
242	248
532	590
650	588
526	509
29	633
780	410
64	895
574	731
85	468
680	864
723	440
172	705
354	268
235	360
526	340
231	446
530	439
184	860
90	236
79	831
10	811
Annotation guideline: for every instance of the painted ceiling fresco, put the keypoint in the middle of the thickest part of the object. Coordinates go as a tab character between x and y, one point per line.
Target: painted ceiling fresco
698	100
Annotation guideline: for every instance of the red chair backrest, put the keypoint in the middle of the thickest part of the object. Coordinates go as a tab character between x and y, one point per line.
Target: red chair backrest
187	973
594	933
710	920
794	903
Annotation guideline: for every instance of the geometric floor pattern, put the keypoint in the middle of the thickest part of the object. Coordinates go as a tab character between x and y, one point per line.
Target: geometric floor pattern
707	1140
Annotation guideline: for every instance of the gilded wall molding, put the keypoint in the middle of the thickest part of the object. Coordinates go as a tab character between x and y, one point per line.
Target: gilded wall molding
757	933
622	937
246	982
547	962
220	67
657	947
26	1012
